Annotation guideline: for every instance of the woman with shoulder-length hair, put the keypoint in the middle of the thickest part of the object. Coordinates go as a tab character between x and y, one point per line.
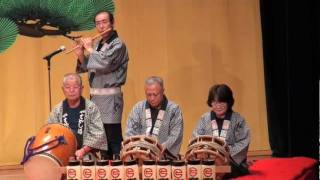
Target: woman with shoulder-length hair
221	121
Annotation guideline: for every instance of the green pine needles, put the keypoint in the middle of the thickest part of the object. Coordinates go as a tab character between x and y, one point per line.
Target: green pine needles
37	18
8	33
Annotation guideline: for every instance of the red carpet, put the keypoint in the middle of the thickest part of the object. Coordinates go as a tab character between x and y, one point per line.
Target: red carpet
296	168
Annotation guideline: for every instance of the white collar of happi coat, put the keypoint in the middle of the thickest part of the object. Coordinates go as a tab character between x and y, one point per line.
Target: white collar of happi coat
225	127
158	123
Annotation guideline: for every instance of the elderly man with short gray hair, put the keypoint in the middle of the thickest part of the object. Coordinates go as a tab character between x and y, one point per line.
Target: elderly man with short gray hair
82	116
157	116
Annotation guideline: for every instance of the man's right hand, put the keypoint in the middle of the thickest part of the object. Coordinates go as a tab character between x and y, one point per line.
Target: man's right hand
80	153
79	51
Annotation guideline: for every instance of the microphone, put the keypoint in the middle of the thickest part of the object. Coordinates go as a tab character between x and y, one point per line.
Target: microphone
62	48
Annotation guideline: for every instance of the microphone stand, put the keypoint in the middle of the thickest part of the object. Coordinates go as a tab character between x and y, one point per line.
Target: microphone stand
48	59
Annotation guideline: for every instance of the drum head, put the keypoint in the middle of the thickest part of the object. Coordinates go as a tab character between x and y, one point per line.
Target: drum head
63	142
41	167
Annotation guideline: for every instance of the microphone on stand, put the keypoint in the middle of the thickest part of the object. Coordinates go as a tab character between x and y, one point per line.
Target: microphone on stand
49	56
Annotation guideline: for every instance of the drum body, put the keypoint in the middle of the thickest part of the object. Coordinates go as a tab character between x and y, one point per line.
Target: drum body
209	147
51	148
141	147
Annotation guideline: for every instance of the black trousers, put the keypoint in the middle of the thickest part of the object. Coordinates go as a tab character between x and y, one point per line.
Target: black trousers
114	138
237	170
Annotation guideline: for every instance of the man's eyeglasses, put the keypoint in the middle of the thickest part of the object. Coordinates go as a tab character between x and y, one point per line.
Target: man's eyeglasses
105	21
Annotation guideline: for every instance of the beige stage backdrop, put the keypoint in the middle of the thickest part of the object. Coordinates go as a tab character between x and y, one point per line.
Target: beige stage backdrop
192	44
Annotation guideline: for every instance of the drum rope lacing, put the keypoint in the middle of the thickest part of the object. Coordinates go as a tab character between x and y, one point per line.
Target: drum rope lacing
29	152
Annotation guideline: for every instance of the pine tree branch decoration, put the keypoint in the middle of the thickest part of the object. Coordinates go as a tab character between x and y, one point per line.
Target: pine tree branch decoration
8	33
37	18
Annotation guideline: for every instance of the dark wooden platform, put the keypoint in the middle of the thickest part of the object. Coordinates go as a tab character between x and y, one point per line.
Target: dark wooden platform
15	172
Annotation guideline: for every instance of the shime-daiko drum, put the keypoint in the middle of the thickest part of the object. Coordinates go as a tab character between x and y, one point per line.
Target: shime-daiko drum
46	152
209	147
143	147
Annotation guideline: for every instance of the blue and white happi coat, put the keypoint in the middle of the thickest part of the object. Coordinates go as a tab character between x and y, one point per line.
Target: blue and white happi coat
170	132
93	133
107	68
237	136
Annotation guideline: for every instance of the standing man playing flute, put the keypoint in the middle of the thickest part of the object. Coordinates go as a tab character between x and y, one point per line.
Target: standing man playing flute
106	64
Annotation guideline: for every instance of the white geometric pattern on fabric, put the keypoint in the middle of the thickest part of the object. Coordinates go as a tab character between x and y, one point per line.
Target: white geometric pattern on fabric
225	127
157	124
110	107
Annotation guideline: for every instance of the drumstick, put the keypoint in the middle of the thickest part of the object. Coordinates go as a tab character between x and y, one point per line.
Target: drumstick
93	38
